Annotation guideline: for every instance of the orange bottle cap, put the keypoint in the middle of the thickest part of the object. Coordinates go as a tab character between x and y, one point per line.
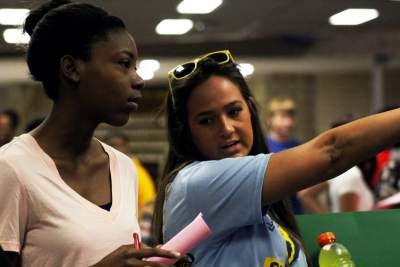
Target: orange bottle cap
326	238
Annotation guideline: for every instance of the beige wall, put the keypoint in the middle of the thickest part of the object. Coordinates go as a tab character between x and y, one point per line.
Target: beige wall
340	95
392	86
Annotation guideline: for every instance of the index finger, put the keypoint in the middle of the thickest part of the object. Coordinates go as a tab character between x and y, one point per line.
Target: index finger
155	252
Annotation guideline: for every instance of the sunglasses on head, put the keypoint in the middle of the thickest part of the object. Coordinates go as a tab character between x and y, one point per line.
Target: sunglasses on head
184	70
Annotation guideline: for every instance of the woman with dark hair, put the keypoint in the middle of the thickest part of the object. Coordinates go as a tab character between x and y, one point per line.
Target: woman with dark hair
67	199
218	165
185	148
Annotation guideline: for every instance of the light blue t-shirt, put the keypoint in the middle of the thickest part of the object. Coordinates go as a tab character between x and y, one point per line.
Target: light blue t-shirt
228	194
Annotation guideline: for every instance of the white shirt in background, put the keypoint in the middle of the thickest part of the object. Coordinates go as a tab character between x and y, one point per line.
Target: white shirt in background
350	181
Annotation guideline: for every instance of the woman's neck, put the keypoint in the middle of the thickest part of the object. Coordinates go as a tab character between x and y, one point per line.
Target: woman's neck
65	134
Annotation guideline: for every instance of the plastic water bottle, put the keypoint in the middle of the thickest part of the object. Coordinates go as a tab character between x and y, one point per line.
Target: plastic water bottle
333	254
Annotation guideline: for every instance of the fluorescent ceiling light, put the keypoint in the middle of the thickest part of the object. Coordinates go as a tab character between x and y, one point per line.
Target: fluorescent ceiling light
198	6
353	16
246	69
13	16
174	26
15	36
149	64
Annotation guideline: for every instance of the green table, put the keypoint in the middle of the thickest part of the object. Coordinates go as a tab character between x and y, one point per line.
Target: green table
373	237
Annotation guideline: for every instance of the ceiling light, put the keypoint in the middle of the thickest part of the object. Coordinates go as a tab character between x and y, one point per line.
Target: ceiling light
174	26
198	6
353	16
145	74
149	64
246	69
15	36
11	16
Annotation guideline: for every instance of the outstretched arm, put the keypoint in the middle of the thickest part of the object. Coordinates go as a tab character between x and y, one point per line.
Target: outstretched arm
329	154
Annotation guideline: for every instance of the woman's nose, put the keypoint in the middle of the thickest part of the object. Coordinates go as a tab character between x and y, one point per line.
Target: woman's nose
226	127
137	81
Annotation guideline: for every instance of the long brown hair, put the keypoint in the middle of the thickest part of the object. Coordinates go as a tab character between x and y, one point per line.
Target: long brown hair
183	151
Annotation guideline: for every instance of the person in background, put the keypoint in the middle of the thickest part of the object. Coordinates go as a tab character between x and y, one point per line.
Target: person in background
281	121
147	191
385	180
9	120
218	164
350	191
67	199
383	159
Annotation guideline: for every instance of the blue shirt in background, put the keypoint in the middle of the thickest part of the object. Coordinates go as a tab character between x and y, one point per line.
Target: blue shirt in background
274	147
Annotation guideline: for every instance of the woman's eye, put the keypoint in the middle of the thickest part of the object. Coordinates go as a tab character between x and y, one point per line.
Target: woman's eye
126	63
235	111
205	121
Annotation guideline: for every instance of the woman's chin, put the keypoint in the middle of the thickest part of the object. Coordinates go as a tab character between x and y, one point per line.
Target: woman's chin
119	121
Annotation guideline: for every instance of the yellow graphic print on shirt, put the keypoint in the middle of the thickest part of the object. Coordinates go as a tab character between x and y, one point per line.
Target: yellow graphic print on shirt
291	252
272	262
291	248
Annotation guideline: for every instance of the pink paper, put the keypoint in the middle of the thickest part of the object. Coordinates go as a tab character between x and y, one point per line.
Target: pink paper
387	202
186	239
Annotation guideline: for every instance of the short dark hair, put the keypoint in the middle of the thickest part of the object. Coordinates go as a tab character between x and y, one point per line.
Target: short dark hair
13	116
60	28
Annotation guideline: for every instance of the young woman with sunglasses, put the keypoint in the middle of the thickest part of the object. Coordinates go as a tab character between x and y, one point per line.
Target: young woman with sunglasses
66	199
218	164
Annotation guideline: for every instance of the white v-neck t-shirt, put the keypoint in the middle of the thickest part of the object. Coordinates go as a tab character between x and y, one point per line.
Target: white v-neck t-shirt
49	223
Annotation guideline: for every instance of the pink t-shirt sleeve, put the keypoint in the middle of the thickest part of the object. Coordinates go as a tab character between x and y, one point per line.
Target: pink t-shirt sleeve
13	209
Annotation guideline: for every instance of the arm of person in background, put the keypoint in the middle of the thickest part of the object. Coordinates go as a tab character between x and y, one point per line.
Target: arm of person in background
310	198
329	154
349	202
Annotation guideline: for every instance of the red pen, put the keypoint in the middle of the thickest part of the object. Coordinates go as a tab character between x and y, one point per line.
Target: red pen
136	241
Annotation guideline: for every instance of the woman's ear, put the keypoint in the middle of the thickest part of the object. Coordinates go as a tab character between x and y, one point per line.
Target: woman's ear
70	68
